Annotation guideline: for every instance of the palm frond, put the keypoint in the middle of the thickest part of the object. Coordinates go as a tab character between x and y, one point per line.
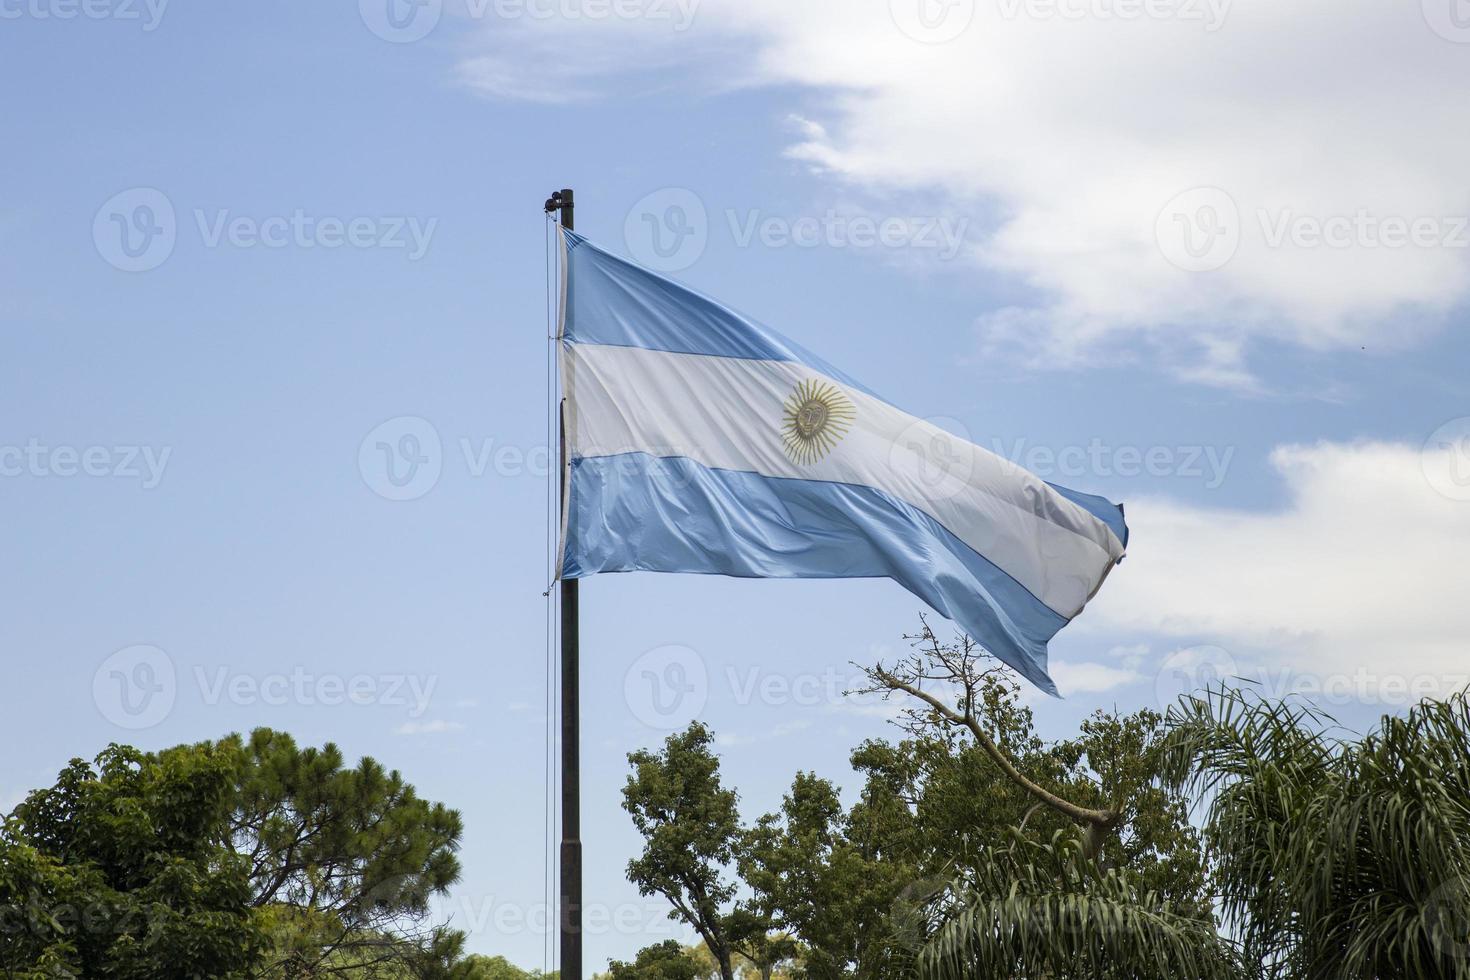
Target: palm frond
1336	857
1048	911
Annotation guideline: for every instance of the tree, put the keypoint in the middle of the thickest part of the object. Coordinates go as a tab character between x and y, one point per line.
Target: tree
692	834
121	870
1116	762
951	683
343	862
252	856
864	890
968	796
764	954
824	883
1052	911
34	887
1338	856
972	786
496	968
666	961
974	768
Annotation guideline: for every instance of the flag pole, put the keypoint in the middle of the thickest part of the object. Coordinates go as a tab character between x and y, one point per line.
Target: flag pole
570	909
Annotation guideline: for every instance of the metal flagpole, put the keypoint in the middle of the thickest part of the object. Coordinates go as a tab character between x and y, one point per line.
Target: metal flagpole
570	917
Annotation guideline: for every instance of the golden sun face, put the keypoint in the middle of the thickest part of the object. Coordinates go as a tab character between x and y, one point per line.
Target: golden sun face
817	416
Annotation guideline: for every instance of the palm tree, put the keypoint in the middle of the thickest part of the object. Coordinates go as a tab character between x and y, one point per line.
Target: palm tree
1052	911
1337	857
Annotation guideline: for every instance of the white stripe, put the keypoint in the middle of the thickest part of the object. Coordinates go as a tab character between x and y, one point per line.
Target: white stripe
728	413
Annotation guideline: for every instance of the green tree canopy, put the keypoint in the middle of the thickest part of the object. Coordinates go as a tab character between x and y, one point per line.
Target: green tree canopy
1053	911
828	879
121	870
863	889
692	835
1339	856
344	861
664	961
245	857
496	968
966	800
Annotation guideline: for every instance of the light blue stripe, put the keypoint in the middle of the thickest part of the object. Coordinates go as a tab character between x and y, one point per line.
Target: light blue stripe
641	513
614	302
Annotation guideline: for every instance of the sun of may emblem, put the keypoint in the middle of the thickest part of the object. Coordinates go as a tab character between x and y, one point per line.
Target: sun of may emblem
817	416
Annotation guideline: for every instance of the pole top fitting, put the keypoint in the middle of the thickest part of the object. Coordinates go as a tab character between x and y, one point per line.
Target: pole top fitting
560	201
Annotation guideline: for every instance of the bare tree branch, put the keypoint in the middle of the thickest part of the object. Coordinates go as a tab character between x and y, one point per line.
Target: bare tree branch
963	666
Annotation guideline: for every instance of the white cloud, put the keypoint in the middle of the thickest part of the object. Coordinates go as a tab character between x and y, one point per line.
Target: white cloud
1132	657
1073	134
1364	569
1089	678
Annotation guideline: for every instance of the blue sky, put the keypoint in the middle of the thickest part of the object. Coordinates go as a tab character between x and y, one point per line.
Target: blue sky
1176	285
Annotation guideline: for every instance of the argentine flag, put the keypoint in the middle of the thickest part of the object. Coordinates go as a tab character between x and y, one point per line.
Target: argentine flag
701	441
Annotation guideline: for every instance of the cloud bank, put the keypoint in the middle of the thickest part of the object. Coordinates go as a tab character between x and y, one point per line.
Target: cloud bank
1364	570
1188	177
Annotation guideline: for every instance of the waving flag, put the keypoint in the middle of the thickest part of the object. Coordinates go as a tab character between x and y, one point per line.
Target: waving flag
701	441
